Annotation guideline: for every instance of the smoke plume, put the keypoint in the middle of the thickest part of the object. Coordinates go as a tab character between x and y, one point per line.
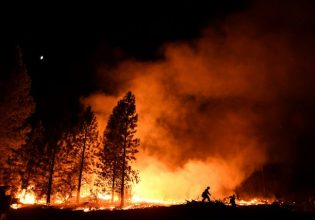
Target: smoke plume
217	108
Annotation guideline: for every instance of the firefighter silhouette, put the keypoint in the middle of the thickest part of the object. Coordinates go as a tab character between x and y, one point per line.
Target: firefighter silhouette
232	200
206	194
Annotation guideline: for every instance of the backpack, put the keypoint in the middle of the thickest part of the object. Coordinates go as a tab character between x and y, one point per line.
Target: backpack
204	194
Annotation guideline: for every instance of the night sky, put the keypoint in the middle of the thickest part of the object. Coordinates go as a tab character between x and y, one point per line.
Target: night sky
76	42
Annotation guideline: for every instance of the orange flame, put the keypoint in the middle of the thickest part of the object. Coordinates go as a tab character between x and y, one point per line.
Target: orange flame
254	201
27	197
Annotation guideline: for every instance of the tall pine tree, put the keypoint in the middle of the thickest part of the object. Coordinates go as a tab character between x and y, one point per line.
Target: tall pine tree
66	167
87	141
120	145
25	162
16	106
77	158
53	147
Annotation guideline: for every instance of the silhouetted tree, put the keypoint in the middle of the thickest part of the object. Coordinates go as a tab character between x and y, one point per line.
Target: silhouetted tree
53	147
120	145
112	152
100	174
16	106
26	162
77	157
87	141
32	154
66	167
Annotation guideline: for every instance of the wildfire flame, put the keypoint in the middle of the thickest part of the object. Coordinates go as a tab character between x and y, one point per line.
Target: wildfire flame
27	197
100	201
254	201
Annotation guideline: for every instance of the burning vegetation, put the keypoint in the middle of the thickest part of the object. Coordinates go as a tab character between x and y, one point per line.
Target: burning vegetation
80	166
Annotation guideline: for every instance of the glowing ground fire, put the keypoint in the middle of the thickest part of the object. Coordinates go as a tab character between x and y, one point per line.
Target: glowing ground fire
27	199
159	186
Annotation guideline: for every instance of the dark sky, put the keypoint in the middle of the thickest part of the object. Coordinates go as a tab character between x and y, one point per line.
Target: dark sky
76	40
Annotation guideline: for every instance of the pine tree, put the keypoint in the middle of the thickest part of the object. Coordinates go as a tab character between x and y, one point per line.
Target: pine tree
66	167
120	146
42	171
100	183
53	147
16	106
77	158
87	141
24	163
112	153
32	153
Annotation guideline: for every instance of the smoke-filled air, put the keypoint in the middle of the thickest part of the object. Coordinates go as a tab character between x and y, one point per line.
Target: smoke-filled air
212	111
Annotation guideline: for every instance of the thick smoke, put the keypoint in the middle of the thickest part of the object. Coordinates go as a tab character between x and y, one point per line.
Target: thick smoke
220	107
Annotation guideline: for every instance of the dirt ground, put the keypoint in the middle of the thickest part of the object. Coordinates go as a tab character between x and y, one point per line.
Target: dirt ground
187	211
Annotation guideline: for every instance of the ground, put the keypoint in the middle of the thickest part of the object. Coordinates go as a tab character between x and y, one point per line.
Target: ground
187	211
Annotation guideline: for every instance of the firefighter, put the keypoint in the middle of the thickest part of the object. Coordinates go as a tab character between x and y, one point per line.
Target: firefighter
232	200
206	194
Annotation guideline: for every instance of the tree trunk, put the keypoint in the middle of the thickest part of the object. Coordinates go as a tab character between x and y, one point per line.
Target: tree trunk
113	180
51	173
81	170
122	189
25	179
